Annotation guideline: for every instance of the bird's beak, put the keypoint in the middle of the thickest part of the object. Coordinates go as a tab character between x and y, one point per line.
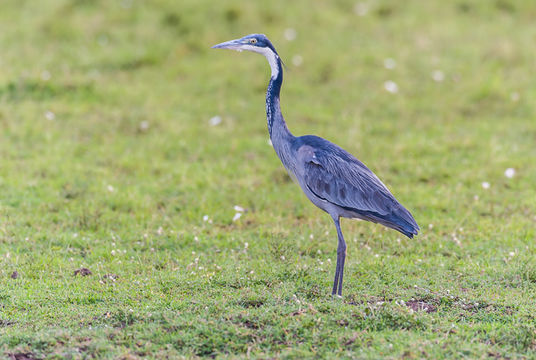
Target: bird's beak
231	45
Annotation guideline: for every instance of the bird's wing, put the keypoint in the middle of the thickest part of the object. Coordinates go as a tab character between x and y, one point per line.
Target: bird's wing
336	176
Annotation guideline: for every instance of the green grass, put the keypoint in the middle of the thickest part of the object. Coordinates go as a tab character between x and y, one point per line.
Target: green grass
108	162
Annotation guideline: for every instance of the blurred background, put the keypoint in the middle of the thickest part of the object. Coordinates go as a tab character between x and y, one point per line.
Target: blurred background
433	96
128	145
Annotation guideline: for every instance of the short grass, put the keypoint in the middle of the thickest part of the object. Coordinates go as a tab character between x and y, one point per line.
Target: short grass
108	162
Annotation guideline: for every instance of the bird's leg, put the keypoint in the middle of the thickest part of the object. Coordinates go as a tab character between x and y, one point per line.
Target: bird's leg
341	257
341	253
336	280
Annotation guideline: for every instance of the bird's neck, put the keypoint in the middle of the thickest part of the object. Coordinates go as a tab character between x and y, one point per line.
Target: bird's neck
276	123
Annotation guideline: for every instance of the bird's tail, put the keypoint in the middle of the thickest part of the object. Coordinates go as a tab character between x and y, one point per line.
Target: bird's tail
401	220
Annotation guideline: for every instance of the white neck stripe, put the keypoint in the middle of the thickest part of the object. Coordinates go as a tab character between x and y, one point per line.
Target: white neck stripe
270	55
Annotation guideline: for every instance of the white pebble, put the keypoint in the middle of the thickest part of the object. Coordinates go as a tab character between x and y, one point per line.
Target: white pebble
391	86
239	208
45	75
389	63
297	60
290	34
486	185
237	216
144	125
126	4
361	9
509	173
215	120
49	115
438	75
514	96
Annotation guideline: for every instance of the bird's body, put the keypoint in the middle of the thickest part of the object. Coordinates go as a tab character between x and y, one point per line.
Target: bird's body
333	179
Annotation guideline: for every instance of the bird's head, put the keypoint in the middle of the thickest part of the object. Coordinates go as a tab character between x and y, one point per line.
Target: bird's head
258	43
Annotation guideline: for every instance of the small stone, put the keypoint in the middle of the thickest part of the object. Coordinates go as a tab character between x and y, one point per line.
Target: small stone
297	60
237	216
49	115
389	63
361	9
110	277
144	126
215	120
290	34
438	75
391	86
45	75
515	96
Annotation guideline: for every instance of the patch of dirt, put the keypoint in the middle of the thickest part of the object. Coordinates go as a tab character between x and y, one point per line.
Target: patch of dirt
310	309
171	329
22	356
241	320
84	345
252	303
250	325
352	340
82	272
427	306
298	312
5	323
371	300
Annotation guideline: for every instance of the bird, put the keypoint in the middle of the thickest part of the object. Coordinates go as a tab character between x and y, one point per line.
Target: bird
331	178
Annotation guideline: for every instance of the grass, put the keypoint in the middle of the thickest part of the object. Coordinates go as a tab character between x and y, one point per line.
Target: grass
108	163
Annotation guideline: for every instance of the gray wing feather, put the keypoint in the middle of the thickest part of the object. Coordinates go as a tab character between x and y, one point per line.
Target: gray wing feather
347	184
338	177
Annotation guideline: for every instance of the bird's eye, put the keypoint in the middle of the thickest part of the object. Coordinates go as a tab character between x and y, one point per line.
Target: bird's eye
253	41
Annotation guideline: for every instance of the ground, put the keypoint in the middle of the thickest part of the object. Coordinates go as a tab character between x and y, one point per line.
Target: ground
126	143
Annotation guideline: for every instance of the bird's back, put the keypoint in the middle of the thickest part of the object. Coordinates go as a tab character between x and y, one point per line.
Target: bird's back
341	183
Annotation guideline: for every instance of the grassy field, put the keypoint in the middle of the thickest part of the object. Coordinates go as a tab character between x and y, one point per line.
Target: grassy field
112	160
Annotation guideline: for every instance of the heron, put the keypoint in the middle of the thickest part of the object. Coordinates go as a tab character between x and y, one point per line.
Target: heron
332	178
